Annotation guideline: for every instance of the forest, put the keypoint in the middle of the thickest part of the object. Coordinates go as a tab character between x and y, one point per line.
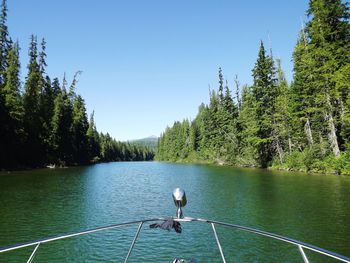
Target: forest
44	121
302	126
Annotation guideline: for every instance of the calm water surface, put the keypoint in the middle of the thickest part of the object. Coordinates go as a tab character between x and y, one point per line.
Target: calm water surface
40	203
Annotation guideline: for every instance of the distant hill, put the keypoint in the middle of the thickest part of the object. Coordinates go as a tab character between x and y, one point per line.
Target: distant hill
151	142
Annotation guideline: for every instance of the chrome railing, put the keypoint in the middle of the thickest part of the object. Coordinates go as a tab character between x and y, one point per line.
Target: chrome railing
180	203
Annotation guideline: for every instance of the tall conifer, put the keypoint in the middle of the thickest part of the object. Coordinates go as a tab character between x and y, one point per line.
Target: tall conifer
5	43
31	100
13	126
265	92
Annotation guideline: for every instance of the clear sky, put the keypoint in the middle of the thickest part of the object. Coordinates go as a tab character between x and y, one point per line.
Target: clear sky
148	63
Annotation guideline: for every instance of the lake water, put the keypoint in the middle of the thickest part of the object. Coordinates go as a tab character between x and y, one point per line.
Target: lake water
40	203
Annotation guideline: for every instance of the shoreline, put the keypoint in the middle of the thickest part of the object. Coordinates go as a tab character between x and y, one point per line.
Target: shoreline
56	166
271	169
197	162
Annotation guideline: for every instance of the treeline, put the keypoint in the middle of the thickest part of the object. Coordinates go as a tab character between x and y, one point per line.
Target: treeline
46	122
303	126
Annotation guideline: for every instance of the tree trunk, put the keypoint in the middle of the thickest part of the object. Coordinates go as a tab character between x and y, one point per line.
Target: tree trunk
332	136
276	141
290	144
239	102
308	132
279	150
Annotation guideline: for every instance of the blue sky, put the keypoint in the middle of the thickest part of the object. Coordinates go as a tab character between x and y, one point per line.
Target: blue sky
148	63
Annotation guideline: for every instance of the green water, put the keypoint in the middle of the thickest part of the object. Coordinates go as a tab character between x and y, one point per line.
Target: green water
41	203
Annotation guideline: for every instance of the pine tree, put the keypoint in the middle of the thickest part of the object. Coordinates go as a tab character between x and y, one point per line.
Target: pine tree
247	129
42	58
93	140
302	93
57	127
228	103
31	100
12	89
212	131
184	139
265	93
194	137
46	101
328	32
79	129
13	135
304	127
221	86
204	130
56	88
5	43
47	123
343	87
61	136
237	93
282	119
229	115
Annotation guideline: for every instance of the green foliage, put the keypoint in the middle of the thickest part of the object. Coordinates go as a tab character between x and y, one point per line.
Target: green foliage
210	137
264	91
48	124
341	164
5	43
79	131
31	98
302	127
61	136
311	161
294	161
112	150
12	125
93	139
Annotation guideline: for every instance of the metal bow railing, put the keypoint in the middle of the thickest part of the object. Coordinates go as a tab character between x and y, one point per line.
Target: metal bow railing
180	201
300	245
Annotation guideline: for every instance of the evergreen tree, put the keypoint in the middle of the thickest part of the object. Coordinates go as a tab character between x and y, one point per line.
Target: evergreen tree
79	128
265	92
343	87
56	88
229	106
57	127
93	140
46	101
302	93
47	124
12	126
12	89
61	136
303	127
328	32
282	119
194	137
212	127
42	58
31	99
185	139
237	93
221	86
5	43
229	115
247	129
